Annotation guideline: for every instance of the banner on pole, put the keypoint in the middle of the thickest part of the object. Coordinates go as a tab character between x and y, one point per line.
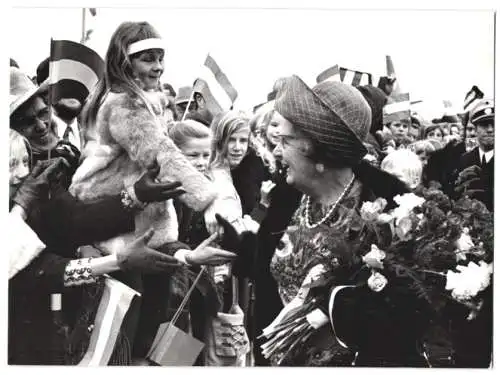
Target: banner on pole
216	89
74	70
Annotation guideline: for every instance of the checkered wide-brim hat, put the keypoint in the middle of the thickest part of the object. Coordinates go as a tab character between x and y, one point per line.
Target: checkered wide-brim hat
332	113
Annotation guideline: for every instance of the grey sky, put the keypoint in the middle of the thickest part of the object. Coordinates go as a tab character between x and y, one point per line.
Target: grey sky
437	54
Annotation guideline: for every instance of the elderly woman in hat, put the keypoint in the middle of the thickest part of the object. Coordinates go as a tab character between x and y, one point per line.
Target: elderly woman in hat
321	132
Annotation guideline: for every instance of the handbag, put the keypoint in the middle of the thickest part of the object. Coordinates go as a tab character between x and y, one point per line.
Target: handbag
227	342
171	345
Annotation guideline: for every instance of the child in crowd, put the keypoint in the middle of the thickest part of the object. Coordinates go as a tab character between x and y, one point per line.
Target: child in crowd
195	141
234	155
405	165
264	138
399	130
422	149
124	121
433	131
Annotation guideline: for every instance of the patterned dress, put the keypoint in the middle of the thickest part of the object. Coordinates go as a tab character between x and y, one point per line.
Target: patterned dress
300	250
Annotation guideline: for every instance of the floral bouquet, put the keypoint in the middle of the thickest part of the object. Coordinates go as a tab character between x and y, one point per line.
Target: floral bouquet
393	270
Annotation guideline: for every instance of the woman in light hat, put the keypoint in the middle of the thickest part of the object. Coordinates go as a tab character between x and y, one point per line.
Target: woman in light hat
321	133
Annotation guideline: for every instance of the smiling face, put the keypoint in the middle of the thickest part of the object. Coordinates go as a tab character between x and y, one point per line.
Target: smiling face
237	146
18	163
147	67
272	130
293	150
32	121
198	151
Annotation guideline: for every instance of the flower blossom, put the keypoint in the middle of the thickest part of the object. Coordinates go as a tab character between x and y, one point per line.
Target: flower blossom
406	203
377	281
374	257
371	210
403	228
464	244
469	281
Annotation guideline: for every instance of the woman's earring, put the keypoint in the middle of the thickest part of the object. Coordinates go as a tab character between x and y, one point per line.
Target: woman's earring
320	168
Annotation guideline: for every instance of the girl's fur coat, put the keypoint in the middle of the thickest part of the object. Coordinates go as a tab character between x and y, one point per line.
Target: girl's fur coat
125	139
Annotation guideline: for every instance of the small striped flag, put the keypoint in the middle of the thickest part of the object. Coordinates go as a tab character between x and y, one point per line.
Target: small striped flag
351	77
113	306
398	108
472	97
355	78
74	70
215	87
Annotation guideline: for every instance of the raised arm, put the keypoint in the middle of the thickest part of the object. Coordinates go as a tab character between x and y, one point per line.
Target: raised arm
145	140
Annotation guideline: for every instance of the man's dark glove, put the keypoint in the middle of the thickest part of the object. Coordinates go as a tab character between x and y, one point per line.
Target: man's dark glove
467	179
35	188
147	189
244	245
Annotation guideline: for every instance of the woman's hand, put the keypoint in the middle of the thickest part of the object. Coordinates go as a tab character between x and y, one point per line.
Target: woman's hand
148	190
138	256
205	254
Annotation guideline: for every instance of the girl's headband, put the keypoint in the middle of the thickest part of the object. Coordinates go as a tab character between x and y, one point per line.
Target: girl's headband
142	45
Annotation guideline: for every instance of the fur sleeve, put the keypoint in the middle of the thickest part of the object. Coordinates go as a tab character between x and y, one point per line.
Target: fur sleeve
133	127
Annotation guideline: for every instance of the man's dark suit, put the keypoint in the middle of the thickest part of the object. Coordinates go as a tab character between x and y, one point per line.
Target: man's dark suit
486	176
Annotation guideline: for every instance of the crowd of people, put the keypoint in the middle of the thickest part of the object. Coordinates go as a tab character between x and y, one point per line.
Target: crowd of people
132	183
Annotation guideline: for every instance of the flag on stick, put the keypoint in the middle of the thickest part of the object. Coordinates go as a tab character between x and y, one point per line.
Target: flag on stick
330	74
397	108
215	87
74	70
472	97
351	77
115	302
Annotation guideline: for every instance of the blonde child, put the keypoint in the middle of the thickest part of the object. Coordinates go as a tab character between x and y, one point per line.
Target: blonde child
405	165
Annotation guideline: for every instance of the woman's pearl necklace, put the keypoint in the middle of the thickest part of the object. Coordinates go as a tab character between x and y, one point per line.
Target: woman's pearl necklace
330	211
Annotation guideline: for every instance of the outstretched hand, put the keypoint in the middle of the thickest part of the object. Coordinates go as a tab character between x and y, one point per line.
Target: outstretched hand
205	254
138	256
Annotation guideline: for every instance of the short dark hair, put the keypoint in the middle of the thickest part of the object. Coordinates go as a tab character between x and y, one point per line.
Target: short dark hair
42	71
